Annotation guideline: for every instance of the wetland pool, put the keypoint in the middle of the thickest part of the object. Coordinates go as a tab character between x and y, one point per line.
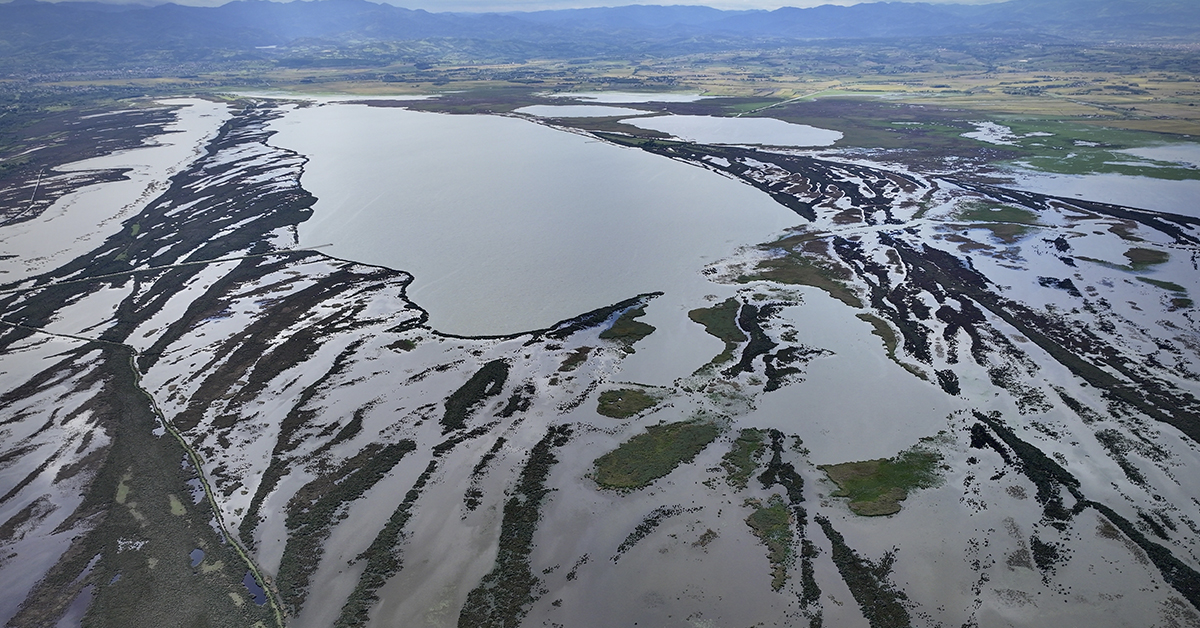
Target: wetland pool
719	130
579	111
507	225
1162	195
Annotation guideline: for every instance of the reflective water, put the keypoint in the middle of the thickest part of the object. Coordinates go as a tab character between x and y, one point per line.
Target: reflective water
855	404
578	111
629	97
1188	154
73	618
1178	197
714	130
508	225
256	591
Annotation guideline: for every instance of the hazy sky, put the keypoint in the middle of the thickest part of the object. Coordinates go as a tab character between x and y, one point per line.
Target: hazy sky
537	5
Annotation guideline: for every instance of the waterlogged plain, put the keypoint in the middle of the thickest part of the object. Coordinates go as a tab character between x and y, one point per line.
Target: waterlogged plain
644	509
80	220
1118	166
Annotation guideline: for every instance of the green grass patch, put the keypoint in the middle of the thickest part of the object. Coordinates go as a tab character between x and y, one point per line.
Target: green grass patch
720	321
797	270
876	487
772	524
1105	264
574	359
403	344
1088	149
883	330
623	403
982	211
646	457
488	381
742	460
1141	259
1006	232
1165	285
123	488
638	141
890	342
1125	230
627	330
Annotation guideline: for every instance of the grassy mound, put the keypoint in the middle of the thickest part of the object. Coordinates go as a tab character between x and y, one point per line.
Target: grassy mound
647	457
623	403
876	487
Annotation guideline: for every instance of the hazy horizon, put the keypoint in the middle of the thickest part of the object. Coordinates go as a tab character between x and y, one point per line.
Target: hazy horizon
487	6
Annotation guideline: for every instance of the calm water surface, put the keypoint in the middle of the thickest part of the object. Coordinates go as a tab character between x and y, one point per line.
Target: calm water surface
507	225
1186	154
1177	197
717	130
579	111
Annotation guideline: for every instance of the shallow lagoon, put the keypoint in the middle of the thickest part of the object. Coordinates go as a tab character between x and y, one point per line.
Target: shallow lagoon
716	130
578	111
507	225
1164	195
1186	154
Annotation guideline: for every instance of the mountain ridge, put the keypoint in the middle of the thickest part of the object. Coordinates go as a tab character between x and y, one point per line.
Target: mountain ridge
249	22
44	37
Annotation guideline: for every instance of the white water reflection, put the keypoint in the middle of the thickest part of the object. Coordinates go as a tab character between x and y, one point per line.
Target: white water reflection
629	97
579	111
507	225
1187	154
715	130
855	404
1177	197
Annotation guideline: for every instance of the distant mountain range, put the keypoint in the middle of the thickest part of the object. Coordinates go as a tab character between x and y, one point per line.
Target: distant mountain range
30	29
1104	19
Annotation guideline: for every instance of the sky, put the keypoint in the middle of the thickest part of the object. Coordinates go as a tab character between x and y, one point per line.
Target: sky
539	5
